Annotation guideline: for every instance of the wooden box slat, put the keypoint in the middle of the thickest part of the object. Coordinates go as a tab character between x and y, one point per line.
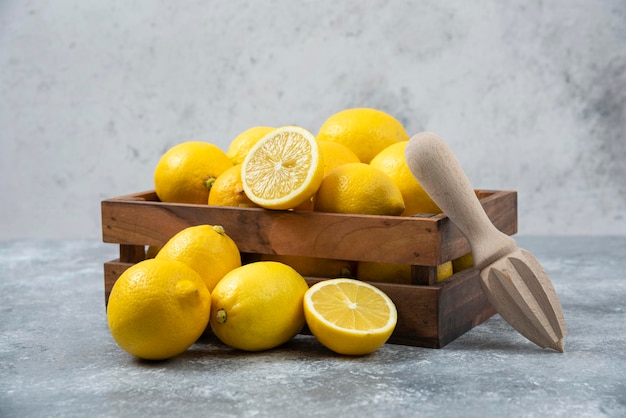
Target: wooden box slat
429	315
425	241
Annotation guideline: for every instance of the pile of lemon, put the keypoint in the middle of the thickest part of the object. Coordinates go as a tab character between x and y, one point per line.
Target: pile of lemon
159	307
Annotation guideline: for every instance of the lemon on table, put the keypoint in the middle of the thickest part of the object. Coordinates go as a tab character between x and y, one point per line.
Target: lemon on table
359	188
158	308
243	143
186	172
205	248
365	131
395	273
227	190
349	316
284	169
258	306
336	154
392	162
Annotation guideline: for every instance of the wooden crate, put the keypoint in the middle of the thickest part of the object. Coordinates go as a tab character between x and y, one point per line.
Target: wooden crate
430	314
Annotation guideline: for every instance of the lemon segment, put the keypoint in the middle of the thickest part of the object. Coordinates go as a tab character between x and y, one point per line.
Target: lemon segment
284	169
349	316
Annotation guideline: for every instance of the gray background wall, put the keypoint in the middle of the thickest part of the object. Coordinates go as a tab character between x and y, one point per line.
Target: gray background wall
529	94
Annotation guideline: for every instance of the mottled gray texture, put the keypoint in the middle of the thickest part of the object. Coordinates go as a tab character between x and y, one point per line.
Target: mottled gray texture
57	357
529	94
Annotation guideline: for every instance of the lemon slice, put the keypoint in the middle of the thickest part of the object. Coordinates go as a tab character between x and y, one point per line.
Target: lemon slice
284	169
349	316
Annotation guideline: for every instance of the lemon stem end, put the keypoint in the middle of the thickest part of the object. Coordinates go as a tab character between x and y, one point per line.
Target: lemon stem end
221	316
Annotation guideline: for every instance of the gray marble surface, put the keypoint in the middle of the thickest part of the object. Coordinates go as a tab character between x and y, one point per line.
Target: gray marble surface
58	359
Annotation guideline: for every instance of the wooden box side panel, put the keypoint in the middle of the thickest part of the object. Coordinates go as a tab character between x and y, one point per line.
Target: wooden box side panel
462	305
406	240
428	316
322	235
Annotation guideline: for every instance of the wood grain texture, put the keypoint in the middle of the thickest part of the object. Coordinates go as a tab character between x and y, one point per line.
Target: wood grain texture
428	316
426	241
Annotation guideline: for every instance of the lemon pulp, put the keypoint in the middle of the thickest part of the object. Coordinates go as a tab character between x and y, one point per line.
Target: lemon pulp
349	316
283	169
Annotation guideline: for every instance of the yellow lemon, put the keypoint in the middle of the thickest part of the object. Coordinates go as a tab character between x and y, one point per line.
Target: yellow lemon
227	190
349	316
444	271
391	161
365	131
359	188
158	308
314	267
336	154
284	169
395	273
205	248
258	306
462	263
243	143
186	172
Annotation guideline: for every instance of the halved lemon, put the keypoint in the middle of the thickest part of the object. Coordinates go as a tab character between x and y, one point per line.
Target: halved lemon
284	169
349	316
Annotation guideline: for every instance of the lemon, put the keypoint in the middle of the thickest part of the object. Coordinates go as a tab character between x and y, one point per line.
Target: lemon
365	131
444	271
349	316
185	173
284	169
359	188
336	154
205	248
391	161
243	143
462	263
227	190
258	306
395	273
158	308
315	267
